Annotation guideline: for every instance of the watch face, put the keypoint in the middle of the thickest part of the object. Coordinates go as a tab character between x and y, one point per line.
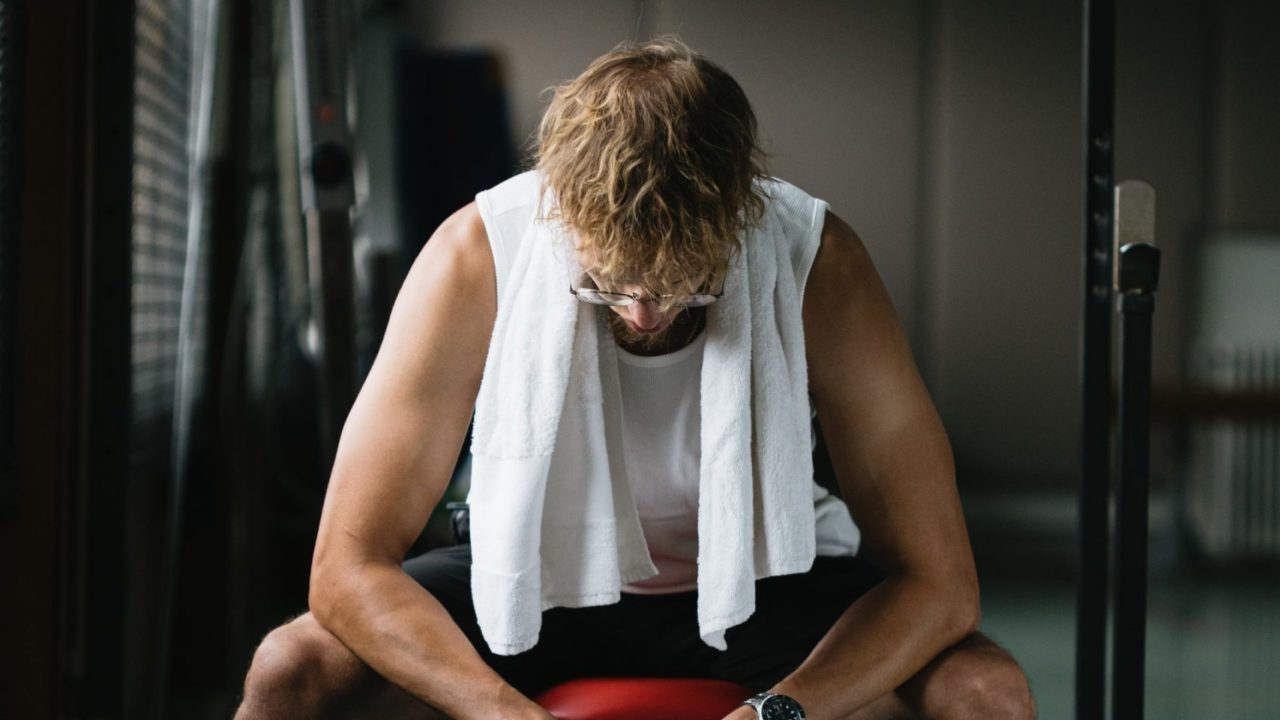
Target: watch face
781	707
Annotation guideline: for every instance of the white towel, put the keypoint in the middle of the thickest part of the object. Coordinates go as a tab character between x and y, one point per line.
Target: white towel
552	519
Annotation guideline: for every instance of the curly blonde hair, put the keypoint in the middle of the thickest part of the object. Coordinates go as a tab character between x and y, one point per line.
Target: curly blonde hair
651	155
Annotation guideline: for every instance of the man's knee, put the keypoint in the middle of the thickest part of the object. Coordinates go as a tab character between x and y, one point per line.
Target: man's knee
981	680
295	667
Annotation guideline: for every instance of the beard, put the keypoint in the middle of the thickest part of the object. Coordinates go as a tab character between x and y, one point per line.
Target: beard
658	343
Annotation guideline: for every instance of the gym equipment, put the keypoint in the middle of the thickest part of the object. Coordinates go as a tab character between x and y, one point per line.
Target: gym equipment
1136	279
1127	263
320	44
643	698
1095	412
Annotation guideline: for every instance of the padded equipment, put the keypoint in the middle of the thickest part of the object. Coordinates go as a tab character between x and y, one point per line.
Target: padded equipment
643	699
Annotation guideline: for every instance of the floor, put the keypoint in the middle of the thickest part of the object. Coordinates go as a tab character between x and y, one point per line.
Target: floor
1213	648
1213	636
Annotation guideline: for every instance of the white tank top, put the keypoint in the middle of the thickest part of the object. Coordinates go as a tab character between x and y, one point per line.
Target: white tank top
661	439
661	444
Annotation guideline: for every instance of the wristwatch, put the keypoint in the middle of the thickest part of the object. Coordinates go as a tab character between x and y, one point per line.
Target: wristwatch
775	706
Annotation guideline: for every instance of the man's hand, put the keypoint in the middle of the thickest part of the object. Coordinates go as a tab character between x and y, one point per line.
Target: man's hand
746	712
526	711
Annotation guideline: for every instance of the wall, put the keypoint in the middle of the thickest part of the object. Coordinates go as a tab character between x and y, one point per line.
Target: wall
1246	165
841	124
949	134
1006	200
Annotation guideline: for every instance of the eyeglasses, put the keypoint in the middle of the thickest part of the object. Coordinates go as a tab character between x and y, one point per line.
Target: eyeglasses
584	288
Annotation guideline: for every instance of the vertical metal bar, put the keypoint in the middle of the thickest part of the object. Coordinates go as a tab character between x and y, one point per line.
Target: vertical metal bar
11	53
1129	652
318	34
332	274
1091	601
112	490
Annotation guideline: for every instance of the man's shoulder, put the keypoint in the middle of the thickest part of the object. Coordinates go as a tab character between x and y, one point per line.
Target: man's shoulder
516	192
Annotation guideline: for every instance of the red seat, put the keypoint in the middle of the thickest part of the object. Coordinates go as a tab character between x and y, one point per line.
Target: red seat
643	699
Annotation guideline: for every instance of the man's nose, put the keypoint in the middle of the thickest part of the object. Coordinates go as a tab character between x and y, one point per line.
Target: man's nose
646	313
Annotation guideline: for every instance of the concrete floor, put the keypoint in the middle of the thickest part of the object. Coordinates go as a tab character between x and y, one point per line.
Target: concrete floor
1213	637
1213	647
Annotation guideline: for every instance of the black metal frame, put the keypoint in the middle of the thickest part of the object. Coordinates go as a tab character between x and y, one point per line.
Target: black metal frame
1139	268
12	22
109	266
1095	417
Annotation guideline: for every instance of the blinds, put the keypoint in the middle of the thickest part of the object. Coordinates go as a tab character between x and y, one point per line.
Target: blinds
162	170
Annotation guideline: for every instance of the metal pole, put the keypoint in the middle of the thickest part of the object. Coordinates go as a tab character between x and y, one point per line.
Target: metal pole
1095	418
319	36
1139	269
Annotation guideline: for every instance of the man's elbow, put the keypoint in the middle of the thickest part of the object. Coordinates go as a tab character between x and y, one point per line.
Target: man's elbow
322	594
965	607
331	588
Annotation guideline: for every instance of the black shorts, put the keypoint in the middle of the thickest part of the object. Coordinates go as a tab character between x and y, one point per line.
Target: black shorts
657	635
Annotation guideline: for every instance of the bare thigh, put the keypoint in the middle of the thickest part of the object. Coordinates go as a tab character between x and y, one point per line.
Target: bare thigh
302	670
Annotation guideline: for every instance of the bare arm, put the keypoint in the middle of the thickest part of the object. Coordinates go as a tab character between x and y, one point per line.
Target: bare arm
393	463
893	462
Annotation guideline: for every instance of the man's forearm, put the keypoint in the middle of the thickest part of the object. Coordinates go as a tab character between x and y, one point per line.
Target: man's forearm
884	638
403	633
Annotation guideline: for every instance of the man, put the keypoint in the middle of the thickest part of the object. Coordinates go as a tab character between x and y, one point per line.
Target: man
666	536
